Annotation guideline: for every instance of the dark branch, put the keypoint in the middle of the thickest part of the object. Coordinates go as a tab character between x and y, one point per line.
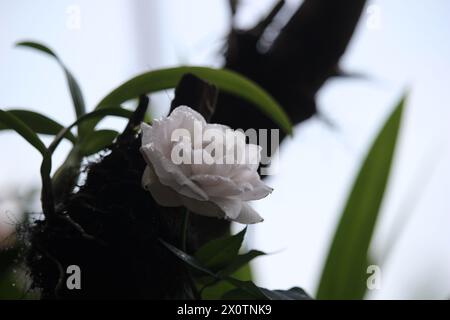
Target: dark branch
303	56
197	94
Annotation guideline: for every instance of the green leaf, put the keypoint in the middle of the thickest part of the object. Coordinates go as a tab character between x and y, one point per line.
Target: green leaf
74	88
21	128
96	141
344	274
246	287
213	289
66	175
96	115
240	261
37	46
226	80
239	268
218	253
188	259
12	122
39	123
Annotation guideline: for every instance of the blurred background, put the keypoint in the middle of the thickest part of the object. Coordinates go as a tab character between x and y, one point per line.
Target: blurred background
397	46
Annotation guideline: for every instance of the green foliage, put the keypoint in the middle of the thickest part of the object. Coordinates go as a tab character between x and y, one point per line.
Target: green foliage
96	115
66	175
39	123
240	261
225	80
221	266
222	256
10	121
344	274
91	141
74	88
239	288
96	141
218	253
238	268
213	289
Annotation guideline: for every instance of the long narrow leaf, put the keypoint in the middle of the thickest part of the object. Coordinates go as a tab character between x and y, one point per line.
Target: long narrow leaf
39	123
344	274
248	288
12	122
225	80
96	141
96	115
74	88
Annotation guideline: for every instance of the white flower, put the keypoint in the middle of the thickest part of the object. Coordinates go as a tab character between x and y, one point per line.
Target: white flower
205	180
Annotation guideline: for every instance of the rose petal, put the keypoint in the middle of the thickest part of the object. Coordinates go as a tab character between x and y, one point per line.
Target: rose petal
231	207
217	186
204	208
258	191
248	215
147	133
252	156
170	174
186	118
163	195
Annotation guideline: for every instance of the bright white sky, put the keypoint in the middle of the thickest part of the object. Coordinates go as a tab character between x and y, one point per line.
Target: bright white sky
408	49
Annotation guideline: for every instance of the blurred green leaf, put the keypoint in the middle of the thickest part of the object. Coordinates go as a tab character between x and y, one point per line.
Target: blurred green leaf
225	80
96	141
37	46
39	123
188	259
247	288
239	268
96	115
344	274
74	88
240	261
12	122
218	253
66	175
222	256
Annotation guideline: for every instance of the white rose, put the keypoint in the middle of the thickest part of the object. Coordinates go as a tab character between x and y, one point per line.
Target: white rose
213	187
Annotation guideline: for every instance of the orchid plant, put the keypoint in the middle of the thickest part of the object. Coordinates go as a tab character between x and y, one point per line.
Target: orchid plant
210	187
